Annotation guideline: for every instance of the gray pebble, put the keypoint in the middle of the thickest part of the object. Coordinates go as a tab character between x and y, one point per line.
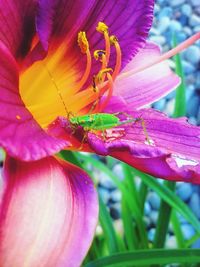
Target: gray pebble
188	67
115	211
175	26
188	231
187	30
171	242
151	234
176	2
154	200
154	217
192	109
165	12
186	9
197	29
106	182
147	208
196	244
195	3
192	54
118	170
194	20
163	24
184	191
104	193
160	104
160	40
195	204
116	196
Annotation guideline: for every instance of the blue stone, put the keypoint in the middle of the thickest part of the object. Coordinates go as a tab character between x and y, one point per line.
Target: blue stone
192	109
154	200
181	36
147	208
195	3
183	20
197	29
176	2
188	231
118	170
169	107
115	211
189	92
116	196
165	12
175	26
186	10
106	182
196	244
151	234
171	242
171	95
187	67
192	54
163	24
194	20
154	217
187	30
184	191
104	194
160	104
160	40
195	204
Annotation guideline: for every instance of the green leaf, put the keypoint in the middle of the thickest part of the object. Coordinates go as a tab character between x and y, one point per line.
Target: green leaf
148	257
170	197
108	228
180	101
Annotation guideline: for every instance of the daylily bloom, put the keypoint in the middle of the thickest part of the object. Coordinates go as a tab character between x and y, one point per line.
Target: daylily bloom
49	207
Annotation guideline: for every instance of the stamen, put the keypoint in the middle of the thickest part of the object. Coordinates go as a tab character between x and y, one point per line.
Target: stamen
103	28
84	46
179	48
100	76
114	41
102	55
98	54
109	93
83	42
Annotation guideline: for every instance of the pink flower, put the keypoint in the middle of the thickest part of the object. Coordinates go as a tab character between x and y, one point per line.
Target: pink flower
49	208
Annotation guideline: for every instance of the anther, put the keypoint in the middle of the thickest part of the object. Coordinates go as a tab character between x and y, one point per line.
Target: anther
113	40
99	53
101	73
102	27
83	42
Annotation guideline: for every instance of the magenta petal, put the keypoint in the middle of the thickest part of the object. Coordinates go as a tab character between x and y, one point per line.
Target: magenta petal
171	153
129	20
149	85
48	214
17	20
20	134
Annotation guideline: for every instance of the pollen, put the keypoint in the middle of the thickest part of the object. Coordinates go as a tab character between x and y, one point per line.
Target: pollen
83	42
102	27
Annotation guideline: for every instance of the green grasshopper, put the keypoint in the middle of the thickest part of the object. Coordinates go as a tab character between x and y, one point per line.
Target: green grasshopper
96	121
99	121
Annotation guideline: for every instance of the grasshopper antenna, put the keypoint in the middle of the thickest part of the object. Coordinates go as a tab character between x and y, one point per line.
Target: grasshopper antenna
57	89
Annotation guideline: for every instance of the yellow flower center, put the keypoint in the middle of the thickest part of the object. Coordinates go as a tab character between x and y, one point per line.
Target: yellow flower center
55	86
